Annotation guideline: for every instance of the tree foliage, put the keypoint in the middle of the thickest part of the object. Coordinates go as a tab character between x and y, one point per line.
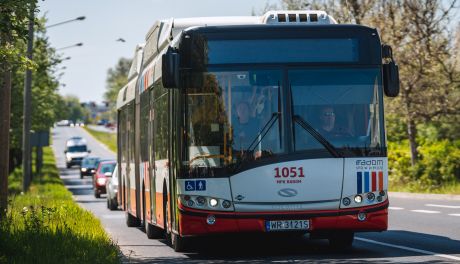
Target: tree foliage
117	77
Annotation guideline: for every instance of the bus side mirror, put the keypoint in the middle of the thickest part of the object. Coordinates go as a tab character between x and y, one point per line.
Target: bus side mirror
390	73
170	69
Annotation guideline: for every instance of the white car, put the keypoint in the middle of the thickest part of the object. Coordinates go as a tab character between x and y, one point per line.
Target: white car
75	151
112	190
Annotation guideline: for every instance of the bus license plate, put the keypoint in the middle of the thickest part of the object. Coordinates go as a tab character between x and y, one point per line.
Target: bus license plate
287	225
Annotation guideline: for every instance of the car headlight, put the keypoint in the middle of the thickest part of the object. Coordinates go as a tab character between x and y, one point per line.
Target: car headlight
83	169
101	181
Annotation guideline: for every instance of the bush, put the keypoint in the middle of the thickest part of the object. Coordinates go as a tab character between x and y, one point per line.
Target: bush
438	165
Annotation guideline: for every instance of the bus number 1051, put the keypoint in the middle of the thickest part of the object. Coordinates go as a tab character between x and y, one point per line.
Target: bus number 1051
291	172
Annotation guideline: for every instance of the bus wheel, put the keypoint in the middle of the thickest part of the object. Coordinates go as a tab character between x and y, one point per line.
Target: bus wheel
153	231
178	243
174	240
341	240
132	221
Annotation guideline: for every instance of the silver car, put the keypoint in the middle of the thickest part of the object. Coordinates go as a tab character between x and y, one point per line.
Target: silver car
112	190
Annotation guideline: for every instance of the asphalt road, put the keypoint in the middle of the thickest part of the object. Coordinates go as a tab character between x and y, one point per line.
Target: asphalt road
422	228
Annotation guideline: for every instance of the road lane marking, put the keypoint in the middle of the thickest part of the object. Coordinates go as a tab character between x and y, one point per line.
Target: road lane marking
426	252
426	211
443	206
454	214
395	208
79	186
117	216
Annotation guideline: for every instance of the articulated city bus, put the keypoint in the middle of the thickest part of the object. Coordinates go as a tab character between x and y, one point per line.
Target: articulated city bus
257	124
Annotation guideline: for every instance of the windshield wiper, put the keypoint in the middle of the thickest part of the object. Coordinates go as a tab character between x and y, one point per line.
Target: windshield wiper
260	135
307	127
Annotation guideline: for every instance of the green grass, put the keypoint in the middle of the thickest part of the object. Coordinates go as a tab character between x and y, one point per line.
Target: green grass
108	139
414	187
46	226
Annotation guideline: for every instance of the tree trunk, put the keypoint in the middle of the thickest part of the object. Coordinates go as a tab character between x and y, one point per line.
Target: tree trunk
5	101
412	131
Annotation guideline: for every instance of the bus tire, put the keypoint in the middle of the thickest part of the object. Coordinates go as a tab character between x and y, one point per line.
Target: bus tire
341	240
132	221
153	231
178	243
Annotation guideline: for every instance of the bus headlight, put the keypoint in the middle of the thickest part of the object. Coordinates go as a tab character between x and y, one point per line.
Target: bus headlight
358	198
346	201
205	203
213	202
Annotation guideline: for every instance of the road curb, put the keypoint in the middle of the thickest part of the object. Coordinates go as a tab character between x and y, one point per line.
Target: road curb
425	196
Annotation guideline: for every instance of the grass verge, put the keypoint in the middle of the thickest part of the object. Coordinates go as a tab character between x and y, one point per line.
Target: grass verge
108	139
45	225
415	187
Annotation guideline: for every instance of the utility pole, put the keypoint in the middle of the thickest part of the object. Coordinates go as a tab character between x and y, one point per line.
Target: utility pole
26	151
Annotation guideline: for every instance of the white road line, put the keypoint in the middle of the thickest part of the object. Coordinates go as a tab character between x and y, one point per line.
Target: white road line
118	216
395	208
454	214
426	211
443	206
426	252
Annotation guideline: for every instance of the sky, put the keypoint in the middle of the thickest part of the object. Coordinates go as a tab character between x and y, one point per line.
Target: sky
108	20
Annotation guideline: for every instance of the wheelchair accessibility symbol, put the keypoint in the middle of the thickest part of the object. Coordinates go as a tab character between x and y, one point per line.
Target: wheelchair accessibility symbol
190	185
198	185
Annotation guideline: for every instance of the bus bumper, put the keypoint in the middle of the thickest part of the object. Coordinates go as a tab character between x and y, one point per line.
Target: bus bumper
194	222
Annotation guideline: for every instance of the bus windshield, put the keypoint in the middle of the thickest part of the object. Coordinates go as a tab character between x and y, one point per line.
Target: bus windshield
343	105
231	118
236	117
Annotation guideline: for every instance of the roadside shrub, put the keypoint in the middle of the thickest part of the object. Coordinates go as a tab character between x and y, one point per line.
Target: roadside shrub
438	165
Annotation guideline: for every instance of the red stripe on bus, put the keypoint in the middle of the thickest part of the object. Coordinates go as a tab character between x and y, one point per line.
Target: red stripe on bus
374	181
380	180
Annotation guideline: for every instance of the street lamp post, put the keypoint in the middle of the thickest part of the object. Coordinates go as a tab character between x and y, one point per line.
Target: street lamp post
67	21
71	46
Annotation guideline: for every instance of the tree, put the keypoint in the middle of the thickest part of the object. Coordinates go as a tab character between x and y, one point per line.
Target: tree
117	77
74	109
45	97
13	14
418	33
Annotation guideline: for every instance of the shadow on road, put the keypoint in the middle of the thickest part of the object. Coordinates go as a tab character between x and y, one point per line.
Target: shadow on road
285	249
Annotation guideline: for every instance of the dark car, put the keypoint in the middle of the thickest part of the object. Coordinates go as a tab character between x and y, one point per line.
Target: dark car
88	166
103	171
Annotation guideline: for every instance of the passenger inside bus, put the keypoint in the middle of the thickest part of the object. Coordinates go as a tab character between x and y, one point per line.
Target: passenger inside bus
246	127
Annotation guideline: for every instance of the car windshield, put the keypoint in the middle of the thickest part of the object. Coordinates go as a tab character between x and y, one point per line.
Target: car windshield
107	167
91	162
81	148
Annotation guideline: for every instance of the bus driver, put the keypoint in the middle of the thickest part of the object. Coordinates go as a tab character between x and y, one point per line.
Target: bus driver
328	127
